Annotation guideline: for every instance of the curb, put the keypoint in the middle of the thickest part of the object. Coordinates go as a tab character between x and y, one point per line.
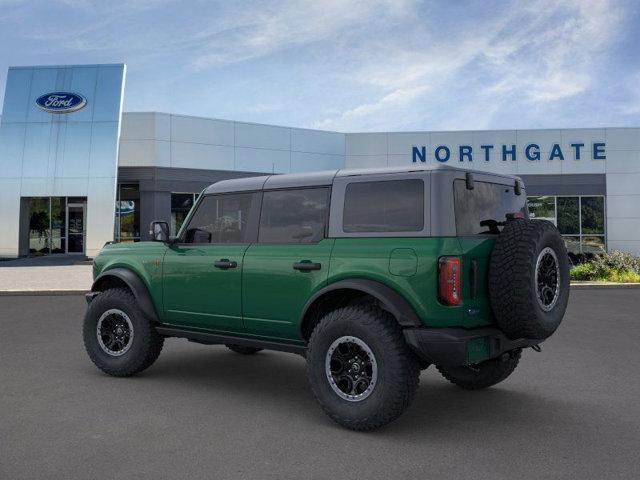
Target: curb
40	293
602	285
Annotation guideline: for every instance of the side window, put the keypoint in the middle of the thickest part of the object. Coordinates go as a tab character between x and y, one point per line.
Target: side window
384	206
294	216
220	219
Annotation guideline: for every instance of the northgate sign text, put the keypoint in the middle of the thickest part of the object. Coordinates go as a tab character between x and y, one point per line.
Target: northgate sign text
577	151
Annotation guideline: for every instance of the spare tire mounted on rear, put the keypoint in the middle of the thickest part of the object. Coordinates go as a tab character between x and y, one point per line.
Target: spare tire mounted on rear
529	279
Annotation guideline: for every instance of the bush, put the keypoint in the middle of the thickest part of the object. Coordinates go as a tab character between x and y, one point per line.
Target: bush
584	271
614	266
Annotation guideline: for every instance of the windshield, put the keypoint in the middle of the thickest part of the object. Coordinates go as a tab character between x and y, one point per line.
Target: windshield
484	209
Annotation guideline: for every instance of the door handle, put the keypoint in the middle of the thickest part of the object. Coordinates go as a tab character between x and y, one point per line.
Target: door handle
225	264
306	266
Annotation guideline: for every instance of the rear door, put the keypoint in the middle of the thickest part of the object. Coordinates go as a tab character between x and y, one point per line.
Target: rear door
289	261
202	272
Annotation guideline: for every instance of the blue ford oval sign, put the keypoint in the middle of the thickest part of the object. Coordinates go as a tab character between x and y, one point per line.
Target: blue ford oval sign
61	102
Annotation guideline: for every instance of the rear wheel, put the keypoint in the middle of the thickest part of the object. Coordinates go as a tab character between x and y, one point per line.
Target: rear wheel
360	369
118	338
482	375
242	349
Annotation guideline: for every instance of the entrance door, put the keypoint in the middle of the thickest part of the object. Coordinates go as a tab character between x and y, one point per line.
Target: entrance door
76	219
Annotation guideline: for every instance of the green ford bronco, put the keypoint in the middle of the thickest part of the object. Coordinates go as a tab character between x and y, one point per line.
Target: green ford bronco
371	275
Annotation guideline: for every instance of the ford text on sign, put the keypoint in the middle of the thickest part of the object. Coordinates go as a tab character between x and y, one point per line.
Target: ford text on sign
61	102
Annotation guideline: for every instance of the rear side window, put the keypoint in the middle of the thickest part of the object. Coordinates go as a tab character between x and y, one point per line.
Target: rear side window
483	209
384	206
220	219
294	216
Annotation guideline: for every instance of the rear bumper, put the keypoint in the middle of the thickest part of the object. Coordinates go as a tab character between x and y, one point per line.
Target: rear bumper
458	346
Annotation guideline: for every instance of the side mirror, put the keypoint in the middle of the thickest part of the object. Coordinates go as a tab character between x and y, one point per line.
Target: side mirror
159	231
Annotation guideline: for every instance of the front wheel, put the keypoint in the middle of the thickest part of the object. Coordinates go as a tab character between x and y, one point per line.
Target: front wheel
361	371
482	375
120	340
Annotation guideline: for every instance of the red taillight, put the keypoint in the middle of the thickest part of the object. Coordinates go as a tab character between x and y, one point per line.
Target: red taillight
449	280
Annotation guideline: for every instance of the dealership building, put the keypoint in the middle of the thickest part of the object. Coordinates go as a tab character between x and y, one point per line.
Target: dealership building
76	171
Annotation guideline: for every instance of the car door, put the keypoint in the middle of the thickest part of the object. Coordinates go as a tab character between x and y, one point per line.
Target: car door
289	261
202	271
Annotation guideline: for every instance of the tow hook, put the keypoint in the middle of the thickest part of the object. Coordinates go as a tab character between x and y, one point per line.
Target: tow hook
536	348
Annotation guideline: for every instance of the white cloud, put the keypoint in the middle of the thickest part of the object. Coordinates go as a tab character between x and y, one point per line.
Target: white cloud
286	24
551	56
349	64
398	98
542	52
631	103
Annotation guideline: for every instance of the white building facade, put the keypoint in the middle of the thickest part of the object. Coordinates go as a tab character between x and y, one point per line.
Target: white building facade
563	167
83	177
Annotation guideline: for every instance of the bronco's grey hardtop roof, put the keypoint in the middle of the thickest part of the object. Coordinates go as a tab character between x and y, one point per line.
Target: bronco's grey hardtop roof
292	180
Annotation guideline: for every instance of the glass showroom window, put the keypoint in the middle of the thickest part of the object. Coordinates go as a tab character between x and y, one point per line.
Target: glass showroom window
48	224
127	227
181	203
39	225
580	220
58	224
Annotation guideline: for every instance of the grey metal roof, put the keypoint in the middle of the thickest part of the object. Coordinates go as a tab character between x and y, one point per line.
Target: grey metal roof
412	168
237	185
288	180
311	179
292	180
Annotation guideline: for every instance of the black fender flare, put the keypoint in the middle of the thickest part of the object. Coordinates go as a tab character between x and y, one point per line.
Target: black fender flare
135	284
389	299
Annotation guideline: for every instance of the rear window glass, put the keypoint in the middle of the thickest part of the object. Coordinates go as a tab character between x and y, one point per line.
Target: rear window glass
385	206
483	209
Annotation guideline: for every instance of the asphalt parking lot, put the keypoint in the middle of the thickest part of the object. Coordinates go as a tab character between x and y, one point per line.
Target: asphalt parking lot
572	411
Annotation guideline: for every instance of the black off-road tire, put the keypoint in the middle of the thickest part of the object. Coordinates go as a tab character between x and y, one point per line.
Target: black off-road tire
482	375
241	349
146	344
398	370
513	290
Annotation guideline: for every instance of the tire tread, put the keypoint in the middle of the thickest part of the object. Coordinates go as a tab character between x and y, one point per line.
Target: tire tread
511	273
406	369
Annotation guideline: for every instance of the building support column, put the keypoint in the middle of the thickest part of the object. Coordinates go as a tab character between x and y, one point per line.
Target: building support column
154	205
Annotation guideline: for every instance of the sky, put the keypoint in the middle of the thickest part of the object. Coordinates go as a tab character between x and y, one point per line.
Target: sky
351	66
